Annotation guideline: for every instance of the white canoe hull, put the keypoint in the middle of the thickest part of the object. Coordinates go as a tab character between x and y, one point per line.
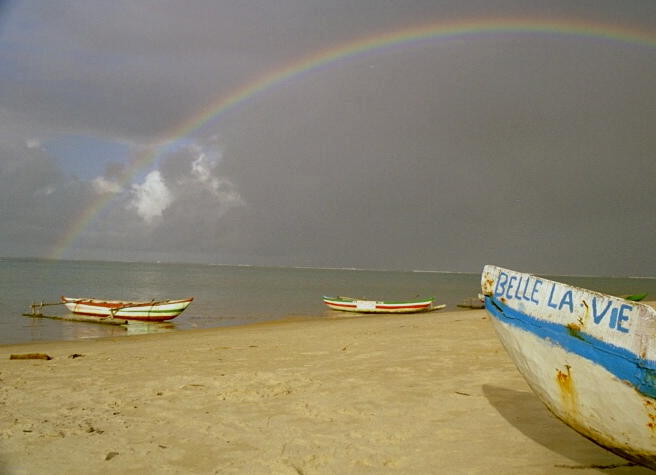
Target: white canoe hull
345	304
589	357
155	311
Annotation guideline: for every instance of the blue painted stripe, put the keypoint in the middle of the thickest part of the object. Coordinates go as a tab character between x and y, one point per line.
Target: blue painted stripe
622	363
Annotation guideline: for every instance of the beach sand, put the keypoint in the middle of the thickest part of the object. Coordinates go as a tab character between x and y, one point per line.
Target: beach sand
423	393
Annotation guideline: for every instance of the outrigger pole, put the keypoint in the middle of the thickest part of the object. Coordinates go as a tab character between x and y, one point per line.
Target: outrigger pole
74	318
40	307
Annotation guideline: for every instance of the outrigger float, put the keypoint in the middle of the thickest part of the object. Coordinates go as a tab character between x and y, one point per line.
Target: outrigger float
114	312
37	312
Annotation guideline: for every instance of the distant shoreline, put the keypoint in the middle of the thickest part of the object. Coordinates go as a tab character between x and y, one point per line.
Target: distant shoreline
327	268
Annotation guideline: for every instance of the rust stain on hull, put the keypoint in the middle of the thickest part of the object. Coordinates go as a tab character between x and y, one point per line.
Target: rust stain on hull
575	331
615	336
488	285
651	415
567	390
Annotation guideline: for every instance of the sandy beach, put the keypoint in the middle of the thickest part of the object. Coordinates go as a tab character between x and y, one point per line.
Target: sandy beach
423	393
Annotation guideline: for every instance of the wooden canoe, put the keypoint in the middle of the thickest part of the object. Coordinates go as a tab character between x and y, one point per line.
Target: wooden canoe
145	311
348	304
590	357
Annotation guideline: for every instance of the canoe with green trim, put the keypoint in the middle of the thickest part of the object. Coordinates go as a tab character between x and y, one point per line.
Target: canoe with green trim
146	311
348	304
636	297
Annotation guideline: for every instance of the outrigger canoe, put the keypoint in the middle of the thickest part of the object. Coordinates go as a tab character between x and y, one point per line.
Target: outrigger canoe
590	357
348	304
146	311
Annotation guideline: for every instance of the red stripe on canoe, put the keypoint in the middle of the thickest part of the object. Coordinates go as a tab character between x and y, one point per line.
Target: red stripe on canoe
347	305
403	306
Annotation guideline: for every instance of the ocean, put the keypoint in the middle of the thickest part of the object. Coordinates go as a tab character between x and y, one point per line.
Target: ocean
223	295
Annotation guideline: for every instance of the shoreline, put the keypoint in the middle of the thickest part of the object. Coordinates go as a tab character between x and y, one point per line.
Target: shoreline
423	393
171	326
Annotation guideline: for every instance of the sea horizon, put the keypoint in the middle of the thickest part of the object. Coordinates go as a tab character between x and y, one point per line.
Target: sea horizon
325	267
227	294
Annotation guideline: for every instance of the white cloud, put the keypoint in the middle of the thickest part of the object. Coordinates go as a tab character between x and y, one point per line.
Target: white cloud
185	184
33	143
200	168
205	169
152	197
204	175
45	191
102	185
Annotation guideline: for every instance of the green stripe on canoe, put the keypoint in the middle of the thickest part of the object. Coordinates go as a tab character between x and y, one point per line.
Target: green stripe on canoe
387	302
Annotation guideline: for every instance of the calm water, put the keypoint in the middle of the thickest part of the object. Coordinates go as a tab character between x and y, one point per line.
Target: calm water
223	295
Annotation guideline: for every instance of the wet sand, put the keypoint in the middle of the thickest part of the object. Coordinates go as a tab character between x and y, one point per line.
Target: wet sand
423	393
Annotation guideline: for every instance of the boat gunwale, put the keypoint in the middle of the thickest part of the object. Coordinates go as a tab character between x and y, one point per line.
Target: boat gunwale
346	300
123	304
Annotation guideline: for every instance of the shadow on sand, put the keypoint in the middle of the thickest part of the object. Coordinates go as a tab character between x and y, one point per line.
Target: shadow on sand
526	412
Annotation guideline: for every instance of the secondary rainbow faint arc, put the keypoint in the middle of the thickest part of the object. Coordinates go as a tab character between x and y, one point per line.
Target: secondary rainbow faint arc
269	80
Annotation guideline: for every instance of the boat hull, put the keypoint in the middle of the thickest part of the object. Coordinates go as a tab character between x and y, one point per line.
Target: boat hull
373	306
155	311
589	357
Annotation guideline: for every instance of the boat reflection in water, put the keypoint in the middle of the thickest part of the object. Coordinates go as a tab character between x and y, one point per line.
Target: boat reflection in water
67	329
142	328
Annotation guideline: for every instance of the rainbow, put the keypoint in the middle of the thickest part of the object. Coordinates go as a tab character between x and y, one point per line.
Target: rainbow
269	80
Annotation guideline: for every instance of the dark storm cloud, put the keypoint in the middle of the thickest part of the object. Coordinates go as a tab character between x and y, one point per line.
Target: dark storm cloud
527	151
496	152
140	68
34	196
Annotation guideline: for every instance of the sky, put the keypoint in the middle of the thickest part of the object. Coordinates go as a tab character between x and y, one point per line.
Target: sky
533	150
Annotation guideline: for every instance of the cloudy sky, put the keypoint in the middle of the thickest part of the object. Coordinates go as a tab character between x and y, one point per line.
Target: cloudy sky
530	150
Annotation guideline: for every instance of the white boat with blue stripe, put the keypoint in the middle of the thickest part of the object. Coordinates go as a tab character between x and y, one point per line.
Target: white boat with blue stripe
590	357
